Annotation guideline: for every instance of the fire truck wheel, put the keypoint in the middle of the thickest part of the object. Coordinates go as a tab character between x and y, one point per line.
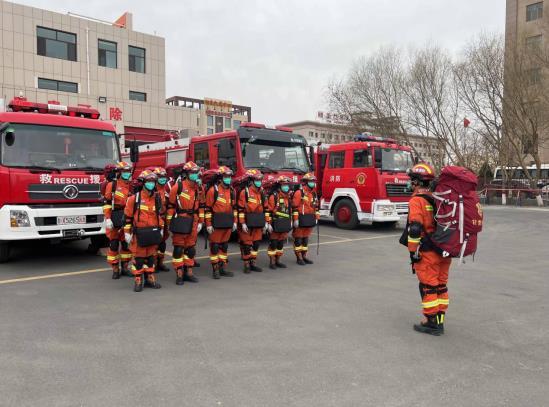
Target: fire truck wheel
345	215
4	252
96	243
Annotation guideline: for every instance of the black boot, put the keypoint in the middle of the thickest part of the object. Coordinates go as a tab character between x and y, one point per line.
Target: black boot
279	264
246	268
196	264
223	272
151	282
300	260
189	276
215	271
306	260
429	327
440	320
138	284
253	267
115	273
272	263
179	279
125	270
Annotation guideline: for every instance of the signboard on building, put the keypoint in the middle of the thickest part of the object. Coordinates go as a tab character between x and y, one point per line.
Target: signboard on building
328	117
217	107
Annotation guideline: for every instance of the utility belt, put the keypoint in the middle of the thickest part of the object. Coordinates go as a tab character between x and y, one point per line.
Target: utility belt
186	211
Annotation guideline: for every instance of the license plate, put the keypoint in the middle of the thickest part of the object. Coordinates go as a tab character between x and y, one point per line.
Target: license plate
387	213
71	220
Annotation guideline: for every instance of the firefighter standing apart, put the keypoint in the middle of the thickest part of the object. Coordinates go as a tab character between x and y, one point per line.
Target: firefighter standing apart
278	208
305	215
186	217
163	192
143	230
221	219
117	192
251	218
431	268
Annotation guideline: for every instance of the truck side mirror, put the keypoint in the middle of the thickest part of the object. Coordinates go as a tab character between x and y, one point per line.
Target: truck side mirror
134	152
9	137
312	157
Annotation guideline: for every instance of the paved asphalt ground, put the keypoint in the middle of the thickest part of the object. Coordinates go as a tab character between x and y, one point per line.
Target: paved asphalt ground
338	333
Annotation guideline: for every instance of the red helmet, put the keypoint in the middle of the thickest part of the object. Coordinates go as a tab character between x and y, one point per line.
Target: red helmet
147	175
422	171
123	166
191	166
160	172
254	174
283	179
308	177
223	170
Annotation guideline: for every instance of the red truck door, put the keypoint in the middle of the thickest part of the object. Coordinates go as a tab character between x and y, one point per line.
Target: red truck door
361	175
333	173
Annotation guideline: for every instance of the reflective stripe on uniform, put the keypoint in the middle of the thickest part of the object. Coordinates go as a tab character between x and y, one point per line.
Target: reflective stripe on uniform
271	252
414	240
221	199
429	208
124	256
443	301
430	304
143	207
120	194
282	215
184	195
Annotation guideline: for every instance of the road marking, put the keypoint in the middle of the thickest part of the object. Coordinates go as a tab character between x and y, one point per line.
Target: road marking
100	270
332	236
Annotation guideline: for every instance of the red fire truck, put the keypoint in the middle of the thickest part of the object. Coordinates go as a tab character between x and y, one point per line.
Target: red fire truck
51	161
363	181
273	150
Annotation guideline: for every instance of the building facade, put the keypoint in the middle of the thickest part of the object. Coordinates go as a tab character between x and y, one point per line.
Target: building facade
427	149
526	29
80	60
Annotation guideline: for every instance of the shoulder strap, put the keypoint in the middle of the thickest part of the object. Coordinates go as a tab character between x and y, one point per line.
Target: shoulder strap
113	191
428	198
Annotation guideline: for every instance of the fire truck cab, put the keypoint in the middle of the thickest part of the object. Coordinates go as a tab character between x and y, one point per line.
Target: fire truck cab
51	163
273	150
363	181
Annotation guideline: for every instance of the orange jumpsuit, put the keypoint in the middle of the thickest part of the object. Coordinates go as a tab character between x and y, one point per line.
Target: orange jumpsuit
304	202
185	201
432	269
147	215
250	241
277	206
219	239
116	236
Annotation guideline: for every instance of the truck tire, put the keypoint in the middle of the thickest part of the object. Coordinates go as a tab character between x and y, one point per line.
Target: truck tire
385	225
97	242
345	214
4	252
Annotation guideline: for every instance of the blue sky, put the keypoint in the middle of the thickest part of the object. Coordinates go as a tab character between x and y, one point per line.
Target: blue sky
278	56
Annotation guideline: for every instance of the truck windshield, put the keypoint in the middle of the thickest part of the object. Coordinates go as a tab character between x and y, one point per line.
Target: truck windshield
63	148
393	159
272	150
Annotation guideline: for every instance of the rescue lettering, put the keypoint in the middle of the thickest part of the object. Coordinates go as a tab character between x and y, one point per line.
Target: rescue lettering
49	179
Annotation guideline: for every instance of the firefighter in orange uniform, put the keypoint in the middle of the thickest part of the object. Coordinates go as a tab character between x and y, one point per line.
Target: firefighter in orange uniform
163	192
431	268
250	211
184	203
305	215
278	206
219	213
117	192
143	218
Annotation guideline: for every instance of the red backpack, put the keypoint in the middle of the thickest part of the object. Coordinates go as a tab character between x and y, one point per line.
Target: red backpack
458	213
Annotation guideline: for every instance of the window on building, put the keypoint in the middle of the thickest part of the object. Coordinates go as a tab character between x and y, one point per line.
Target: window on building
323	135
210	131
202	155
210	121
60	86
56	44
534	76
337	159
236	124
107	53
139	96
311	134
362	158
316	134
136	59
534	11
534	42
227	123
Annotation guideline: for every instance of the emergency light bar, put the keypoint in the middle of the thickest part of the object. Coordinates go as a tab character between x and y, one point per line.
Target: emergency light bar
21	104
263	126
369	137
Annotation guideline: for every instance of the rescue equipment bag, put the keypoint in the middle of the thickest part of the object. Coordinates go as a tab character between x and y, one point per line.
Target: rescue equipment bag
307	220
282	225
182	224
255	220
118	218
148	236
222	220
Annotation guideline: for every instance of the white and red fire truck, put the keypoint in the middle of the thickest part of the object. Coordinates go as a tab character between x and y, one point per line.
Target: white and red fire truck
273	150
51	163
363	181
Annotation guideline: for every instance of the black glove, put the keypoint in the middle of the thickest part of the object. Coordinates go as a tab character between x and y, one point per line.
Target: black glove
415	257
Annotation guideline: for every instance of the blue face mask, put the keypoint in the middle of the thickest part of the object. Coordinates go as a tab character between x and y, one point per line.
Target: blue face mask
227	180
199	181
162	181
311	184
126	176
285	188
257	184
149	185
193	177
409	185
